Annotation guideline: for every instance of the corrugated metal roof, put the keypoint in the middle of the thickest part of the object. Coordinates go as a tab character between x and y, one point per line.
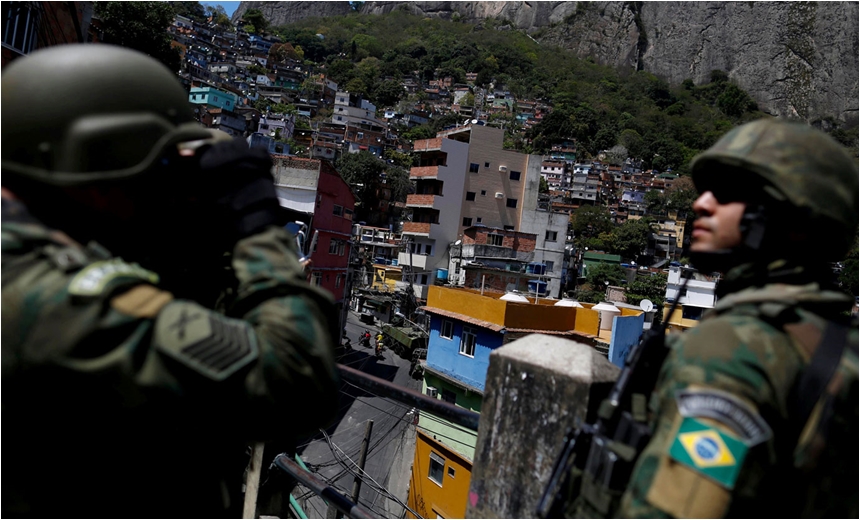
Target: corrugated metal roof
468	319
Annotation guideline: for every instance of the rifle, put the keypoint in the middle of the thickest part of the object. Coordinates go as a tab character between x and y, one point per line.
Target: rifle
597	459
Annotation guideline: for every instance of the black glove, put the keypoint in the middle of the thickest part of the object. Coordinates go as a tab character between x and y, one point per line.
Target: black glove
239	182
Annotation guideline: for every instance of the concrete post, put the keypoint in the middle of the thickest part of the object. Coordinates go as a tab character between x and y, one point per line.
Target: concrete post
536	388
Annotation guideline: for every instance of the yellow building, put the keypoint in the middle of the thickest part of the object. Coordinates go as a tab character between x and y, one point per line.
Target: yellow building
385	277
439	485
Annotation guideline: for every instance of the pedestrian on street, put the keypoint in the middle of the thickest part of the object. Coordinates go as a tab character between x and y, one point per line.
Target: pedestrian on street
755	413
125	394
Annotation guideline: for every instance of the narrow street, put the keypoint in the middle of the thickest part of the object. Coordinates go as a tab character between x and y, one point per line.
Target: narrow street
392	440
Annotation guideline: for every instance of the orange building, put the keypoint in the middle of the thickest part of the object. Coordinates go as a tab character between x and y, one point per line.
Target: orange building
439	485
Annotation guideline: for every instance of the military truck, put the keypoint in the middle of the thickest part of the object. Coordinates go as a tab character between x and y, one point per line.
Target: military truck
403	340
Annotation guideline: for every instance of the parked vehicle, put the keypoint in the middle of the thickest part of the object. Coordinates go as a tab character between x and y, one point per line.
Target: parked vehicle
404	340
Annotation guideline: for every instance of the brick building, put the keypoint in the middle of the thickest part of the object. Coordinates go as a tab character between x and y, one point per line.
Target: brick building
28	26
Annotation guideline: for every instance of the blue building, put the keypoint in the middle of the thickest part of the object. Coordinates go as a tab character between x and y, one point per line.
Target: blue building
213	97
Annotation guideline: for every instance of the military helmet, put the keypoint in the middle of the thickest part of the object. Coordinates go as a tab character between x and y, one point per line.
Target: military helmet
81	113
802	173
792	163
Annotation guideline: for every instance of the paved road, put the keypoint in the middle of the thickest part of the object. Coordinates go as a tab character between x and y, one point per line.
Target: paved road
392	440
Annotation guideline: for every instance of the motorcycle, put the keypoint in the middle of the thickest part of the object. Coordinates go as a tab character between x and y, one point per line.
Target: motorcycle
380	346
364	339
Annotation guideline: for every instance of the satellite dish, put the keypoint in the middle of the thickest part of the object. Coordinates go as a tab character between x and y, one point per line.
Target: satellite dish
474	121
646	305
457	243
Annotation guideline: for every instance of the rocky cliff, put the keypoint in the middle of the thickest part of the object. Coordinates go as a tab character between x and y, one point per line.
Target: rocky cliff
794	58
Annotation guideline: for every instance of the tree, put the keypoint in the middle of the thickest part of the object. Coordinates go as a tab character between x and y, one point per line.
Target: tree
598	277
141	26
734	101
193	10
590	221
655	202
681	194
257	20
651	287
544	187
388	93
631	238
362	171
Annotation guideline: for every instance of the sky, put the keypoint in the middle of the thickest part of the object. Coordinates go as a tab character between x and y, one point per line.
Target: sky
228	6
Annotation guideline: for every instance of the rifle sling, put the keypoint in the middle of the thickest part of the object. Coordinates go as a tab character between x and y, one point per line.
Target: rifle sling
813	381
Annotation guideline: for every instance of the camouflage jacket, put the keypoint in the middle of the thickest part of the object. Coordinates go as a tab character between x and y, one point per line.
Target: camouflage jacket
725	443
143	402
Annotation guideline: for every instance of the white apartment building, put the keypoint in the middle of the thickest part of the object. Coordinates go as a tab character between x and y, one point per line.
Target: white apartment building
693	302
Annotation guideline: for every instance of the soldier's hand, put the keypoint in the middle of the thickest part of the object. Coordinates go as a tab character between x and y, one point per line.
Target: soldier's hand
239	182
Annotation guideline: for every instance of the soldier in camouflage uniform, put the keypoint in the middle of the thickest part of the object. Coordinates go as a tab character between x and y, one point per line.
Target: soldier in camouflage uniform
756	410
120	397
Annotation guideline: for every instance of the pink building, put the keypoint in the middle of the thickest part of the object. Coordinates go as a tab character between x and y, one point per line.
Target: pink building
314	189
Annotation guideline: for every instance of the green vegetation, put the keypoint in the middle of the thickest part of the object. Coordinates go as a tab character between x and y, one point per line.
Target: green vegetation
600	107
141	26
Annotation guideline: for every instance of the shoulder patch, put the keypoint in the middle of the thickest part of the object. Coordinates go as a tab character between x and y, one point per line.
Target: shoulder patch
142	301
94	278
208	343
709	451
726	409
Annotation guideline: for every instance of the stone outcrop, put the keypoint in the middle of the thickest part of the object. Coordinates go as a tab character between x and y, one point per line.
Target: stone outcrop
796	59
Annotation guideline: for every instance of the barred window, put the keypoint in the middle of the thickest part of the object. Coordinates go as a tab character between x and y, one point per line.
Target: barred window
20	25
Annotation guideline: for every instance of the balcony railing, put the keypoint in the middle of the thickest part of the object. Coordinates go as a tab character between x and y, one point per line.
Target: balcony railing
420	200
416	228
417	261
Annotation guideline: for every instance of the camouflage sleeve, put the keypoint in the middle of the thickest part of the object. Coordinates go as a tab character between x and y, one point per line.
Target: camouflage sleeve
107	342
711	442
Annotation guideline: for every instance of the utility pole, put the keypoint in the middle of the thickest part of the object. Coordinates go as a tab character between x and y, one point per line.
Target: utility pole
356	485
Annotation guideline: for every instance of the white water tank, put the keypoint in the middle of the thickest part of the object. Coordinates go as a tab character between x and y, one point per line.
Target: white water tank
514	297
567	302
607	312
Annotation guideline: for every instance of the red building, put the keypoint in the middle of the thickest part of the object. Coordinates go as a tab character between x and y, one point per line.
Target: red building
28	26
315	190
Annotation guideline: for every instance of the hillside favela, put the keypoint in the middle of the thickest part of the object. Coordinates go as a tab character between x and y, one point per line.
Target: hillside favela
497	200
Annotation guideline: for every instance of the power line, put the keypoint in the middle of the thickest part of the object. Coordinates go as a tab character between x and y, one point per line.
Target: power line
381	489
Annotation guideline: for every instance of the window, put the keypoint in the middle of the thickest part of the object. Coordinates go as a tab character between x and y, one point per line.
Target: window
336	247
338	211
470	195
473	167
447	329
449	396
428	249
467	221
338	281
509	228
486	165
316	279
20	23
437	468
512	203
467	342
451	471
691	313
551	236
360	135
549	265
494	240
515	176
479	220
423	279
347	213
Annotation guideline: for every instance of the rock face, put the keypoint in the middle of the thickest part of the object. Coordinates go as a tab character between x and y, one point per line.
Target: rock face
280	13
795	59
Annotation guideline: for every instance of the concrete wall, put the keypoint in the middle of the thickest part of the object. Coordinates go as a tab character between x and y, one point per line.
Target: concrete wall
485	150
445	233
537	387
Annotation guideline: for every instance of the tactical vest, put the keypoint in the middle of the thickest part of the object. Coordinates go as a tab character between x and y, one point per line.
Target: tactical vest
823	404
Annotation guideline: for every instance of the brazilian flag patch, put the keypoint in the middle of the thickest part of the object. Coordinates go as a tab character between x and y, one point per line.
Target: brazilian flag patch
709	451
